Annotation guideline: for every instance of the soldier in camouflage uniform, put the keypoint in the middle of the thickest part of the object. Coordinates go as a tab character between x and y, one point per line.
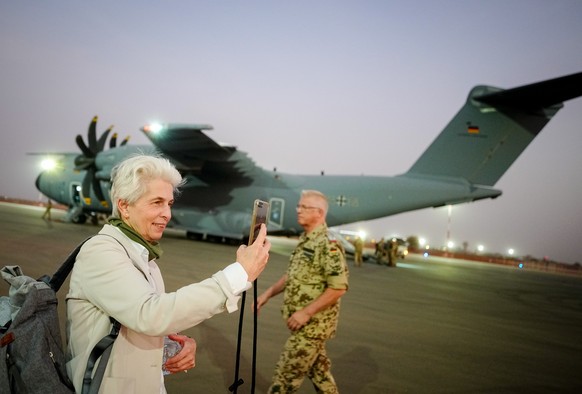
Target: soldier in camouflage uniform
359	251
392	250
315	280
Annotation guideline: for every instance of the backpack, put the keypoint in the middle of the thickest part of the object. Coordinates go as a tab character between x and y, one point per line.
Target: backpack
32	359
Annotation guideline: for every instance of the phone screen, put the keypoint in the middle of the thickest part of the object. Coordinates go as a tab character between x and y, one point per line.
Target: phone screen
260	214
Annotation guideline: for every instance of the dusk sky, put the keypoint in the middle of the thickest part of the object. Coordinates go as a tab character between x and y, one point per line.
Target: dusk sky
347	87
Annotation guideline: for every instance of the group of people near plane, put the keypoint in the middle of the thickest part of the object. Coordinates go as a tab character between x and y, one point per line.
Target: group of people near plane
386	251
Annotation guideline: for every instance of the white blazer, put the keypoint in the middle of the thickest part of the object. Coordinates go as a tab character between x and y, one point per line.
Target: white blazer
109	279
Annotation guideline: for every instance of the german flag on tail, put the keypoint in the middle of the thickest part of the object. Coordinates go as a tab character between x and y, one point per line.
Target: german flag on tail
473	129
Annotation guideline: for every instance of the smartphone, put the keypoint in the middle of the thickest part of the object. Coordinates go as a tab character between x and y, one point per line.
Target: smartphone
260	214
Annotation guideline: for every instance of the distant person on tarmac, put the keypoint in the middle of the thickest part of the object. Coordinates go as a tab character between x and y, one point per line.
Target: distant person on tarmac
380	251
359	250
47	212
392	249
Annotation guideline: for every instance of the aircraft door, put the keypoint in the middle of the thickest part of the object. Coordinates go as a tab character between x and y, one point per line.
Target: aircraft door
276	213
75	213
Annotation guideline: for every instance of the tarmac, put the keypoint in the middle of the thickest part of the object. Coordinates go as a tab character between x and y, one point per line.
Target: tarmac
431	325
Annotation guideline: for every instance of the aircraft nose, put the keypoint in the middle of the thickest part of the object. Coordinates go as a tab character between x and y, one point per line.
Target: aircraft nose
42	185
37	182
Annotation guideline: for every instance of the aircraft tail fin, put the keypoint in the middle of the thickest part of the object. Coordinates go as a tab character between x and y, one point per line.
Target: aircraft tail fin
493	128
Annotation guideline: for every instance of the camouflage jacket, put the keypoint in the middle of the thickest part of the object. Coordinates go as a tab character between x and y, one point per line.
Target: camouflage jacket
317	263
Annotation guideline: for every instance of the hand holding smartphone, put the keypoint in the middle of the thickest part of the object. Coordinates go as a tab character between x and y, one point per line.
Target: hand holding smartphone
260	214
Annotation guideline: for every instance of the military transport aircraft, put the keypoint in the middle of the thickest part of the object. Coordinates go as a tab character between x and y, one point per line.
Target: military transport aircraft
462	165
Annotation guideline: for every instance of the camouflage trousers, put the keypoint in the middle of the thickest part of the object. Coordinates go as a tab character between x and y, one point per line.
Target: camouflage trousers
303	357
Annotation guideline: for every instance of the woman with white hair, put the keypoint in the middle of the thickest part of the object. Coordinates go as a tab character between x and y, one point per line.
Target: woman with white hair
116	275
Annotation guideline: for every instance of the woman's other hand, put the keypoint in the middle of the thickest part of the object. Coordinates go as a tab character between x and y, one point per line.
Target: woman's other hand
186	358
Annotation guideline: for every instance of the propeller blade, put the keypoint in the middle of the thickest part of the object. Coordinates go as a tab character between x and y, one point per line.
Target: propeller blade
86	188
99	192
113	141
124	141
102	139
93	135
82	163
84	148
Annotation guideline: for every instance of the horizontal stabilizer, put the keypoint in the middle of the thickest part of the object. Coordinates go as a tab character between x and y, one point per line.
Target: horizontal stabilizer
538	95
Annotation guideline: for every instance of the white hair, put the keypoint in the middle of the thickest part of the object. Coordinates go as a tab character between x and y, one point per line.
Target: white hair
129	178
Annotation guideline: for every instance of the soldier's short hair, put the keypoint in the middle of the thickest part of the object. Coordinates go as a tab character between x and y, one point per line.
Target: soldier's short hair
320	196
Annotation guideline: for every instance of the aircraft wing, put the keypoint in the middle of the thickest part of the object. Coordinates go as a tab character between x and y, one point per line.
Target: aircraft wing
192	151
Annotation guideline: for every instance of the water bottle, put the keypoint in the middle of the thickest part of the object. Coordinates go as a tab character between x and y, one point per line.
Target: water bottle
171	348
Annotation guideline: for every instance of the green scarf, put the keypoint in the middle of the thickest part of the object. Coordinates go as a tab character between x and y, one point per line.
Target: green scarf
154	249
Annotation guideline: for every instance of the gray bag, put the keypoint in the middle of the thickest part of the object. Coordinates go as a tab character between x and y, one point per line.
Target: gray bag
31	351
32	359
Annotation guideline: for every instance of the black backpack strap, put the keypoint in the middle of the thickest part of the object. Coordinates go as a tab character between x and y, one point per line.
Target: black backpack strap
102	349
64	270
59	277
